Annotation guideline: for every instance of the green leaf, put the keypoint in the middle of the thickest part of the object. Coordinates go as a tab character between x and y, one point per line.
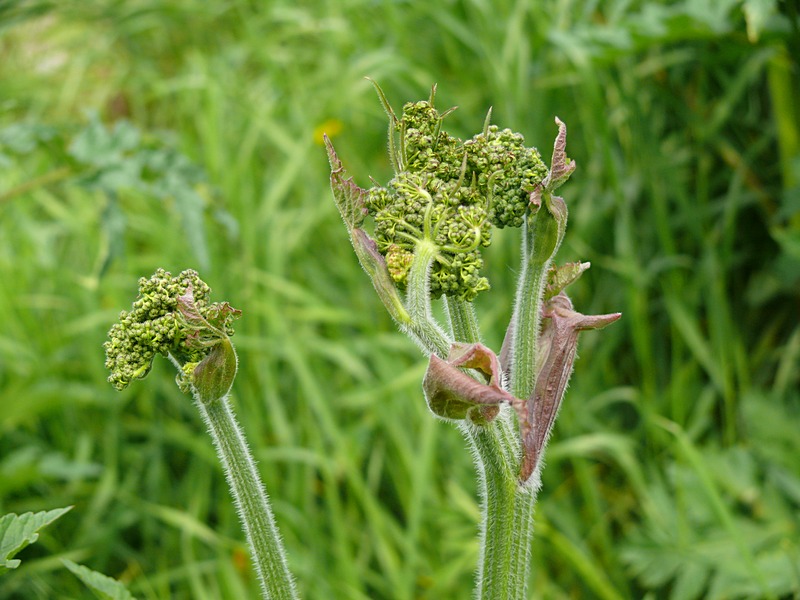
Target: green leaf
113	223
691	581
559	278
104	587
99	146
24	138
191	207
16	532
171	175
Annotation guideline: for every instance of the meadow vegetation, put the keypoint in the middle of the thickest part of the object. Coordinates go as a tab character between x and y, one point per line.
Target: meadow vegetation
140	134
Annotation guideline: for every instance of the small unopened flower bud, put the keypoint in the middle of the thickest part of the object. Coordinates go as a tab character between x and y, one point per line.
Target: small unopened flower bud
213	377
453	394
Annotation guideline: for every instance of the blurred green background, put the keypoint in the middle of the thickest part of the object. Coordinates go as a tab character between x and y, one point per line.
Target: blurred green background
137	134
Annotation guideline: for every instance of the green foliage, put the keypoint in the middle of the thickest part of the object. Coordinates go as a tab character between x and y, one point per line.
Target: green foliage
730	532
102	586
111	160
19	531
682	126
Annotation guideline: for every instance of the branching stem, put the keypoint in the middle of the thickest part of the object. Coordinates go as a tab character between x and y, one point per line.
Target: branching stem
506	506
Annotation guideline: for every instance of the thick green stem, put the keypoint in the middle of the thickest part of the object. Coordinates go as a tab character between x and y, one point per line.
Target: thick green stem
522	531
251	500
506	506
541	236
507	509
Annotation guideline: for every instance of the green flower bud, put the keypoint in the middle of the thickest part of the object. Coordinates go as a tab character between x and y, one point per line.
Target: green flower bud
213	377
172	316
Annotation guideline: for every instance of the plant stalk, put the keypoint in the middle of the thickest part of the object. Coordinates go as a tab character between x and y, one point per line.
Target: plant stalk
536	260
250	498
463	322
423	328
506	528
506	509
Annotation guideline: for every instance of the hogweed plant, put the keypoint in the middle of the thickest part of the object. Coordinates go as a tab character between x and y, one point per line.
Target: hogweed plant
429	224
174	317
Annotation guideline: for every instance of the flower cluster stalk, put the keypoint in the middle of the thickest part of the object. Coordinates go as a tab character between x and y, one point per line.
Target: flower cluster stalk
430	222
173	316
251	499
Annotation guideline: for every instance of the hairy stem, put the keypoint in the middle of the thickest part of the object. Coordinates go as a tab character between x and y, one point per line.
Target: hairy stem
463	323
506	506
502	564
540	240
250	497
423	327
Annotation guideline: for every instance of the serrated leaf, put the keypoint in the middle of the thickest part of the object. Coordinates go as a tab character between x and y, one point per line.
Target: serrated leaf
24	138
98	146
691	581
559	278
103	586
350	199
18	531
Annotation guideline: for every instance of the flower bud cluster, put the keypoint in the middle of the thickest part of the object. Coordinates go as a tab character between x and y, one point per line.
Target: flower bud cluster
451	193
506	172
157	324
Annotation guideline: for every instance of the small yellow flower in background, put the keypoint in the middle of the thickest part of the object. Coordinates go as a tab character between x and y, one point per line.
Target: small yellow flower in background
329	127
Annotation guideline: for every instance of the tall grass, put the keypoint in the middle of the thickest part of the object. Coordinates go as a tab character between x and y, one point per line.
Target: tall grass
673	470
